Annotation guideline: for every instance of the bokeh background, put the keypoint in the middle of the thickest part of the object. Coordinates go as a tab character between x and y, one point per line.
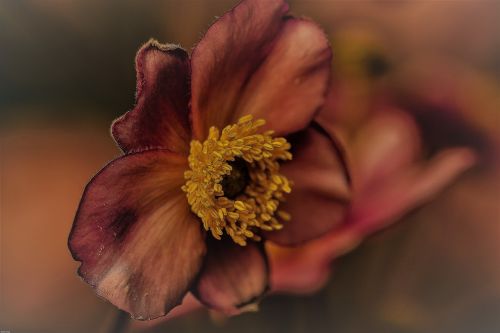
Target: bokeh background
66	71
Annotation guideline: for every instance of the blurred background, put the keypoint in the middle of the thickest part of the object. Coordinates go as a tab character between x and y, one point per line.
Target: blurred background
67	70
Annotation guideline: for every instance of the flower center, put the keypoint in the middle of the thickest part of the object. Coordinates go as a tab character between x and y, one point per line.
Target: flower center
233	183
238	178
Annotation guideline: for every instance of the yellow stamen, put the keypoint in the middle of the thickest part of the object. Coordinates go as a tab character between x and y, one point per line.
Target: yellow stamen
256	207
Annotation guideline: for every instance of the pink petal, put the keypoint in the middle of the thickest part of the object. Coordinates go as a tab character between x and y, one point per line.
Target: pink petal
297	269
388	142
138	243
321	189
234	277
255	60
380	206
160	118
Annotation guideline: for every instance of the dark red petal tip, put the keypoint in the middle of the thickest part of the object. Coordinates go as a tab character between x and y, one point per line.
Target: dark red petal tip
139	245
160	118
234	278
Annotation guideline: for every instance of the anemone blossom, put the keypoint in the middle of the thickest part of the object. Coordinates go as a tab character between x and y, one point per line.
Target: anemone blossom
221	153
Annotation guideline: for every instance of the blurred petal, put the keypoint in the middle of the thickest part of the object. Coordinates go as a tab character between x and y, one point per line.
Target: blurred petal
277	70
388	142
230	52
321	189
138	242
160	118
234	277
412	187
445	91
296	270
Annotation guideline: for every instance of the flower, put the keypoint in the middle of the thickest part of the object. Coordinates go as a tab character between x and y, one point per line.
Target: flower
208	147
386	152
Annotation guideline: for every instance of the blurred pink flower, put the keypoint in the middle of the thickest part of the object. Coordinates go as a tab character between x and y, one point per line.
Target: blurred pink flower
390	178
447	91
134	233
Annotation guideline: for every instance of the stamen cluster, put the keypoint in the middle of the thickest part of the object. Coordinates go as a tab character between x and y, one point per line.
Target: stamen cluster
257	206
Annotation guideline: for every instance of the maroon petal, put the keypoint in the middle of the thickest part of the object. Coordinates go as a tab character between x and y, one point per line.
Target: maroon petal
160	117
255	60
138	243
222	63
234	277
321	189
291	84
